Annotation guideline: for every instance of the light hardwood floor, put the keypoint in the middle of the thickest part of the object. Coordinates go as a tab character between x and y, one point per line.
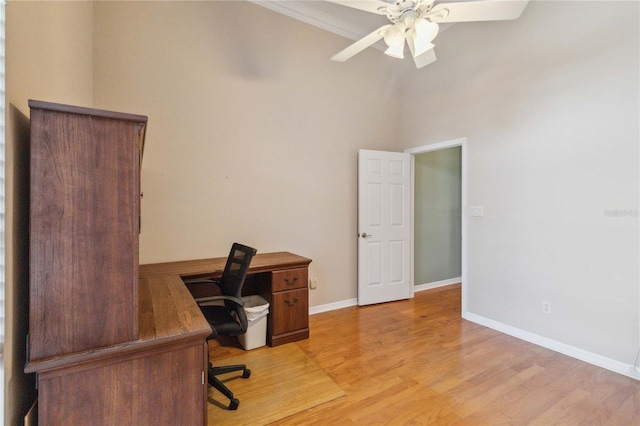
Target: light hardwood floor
419	362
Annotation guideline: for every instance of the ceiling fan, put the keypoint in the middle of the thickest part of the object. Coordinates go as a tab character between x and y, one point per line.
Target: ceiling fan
416	21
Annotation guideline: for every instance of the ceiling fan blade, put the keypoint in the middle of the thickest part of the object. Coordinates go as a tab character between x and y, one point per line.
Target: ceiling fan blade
485	10
360	45
423	59
374	6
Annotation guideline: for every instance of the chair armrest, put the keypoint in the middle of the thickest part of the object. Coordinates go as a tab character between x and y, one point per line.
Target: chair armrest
239	308
235	300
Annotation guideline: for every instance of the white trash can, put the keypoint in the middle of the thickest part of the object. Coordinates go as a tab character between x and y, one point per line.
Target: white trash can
256	309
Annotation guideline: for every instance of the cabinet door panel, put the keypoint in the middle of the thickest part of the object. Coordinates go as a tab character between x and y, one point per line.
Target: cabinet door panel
83	232
290	311
139	390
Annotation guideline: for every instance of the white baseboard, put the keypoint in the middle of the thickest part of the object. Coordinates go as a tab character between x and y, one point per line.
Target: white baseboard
436	284
586	356
332	306
354	302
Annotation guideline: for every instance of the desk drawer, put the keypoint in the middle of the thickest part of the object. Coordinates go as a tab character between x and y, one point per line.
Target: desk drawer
290	311
289	279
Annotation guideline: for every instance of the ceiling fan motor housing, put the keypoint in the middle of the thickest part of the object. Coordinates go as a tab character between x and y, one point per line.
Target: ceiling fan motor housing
408	11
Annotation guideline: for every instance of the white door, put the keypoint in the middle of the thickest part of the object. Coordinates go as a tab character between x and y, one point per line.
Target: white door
384	231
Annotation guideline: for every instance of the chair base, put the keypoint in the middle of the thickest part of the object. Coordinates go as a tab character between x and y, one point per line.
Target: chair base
217	384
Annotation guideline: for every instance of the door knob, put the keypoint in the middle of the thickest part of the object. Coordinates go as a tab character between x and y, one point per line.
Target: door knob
365	235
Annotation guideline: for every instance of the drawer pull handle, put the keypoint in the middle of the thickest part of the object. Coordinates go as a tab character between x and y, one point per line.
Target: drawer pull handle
295	300
295	280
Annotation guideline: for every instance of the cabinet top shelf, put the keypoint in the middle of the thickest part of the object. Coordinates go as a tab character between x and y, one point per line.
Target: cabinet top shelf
71	109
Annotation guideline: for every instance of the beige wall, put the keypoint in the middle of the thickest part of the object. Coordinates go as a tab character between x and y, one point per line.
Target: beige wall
252	135
253	132
49	51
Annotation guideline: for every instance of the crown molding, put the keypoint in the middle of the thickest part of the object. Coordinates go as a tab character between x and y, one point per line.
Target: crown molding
298	10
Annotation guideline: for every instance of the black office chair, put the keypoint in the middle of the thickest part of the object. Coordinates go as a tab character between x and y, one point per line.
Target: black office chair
228	319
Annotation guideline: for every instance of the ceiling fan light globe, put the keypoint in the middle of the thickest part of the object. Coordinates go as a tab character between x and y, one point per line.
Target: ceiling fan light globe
394	36
422	48
396	51
422	34
426	29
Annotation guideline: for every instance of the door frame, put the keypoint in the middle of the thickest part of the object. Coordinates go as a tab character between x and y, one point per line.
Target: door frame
462	143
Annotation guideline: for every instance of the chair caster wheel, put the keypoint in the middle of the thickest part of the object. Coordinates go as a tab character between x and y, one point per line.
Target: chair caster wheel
246	374
233	405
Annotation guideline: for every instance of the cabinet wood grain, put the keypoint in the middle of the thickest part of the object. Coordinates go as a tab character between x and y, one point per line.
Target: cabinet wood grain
84	205
108	346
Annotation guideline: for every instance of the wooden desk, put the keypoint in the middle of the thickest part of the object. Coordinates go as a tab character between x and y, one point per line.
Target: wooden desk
136	382
160	377
281	278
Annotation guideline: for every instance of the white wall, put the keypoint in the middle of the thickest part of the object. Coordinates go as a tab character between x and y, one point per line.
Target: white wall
549	104
253	131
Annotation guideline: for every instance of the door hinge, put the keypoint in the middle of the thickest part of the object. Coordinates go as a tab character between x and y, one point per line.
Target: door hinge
203	377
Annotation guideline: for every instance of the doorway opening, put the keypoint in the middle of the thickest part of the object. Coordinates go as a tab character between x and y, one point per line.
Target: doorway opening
439	206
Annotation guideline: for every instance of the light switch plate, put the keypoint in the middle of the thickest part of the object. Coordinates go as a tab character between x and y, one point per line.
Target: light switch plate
476	211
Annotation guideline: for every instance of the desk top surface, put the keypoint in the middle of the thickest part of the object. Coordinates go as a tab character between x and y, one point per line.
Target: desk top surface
262	262
167	312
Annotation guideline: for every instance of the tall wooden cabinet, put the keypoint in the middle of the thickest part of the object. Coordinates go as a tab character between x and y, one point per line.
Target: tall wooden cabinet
84	208
108	348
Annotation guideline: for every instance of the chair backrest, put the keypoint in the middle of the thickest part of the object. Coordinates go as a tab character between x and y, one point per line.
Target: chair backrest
235	270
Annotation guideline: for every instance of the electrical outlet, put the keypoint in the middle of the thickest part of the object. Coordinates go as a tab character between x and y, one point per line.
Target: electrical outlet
313	283
546	307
